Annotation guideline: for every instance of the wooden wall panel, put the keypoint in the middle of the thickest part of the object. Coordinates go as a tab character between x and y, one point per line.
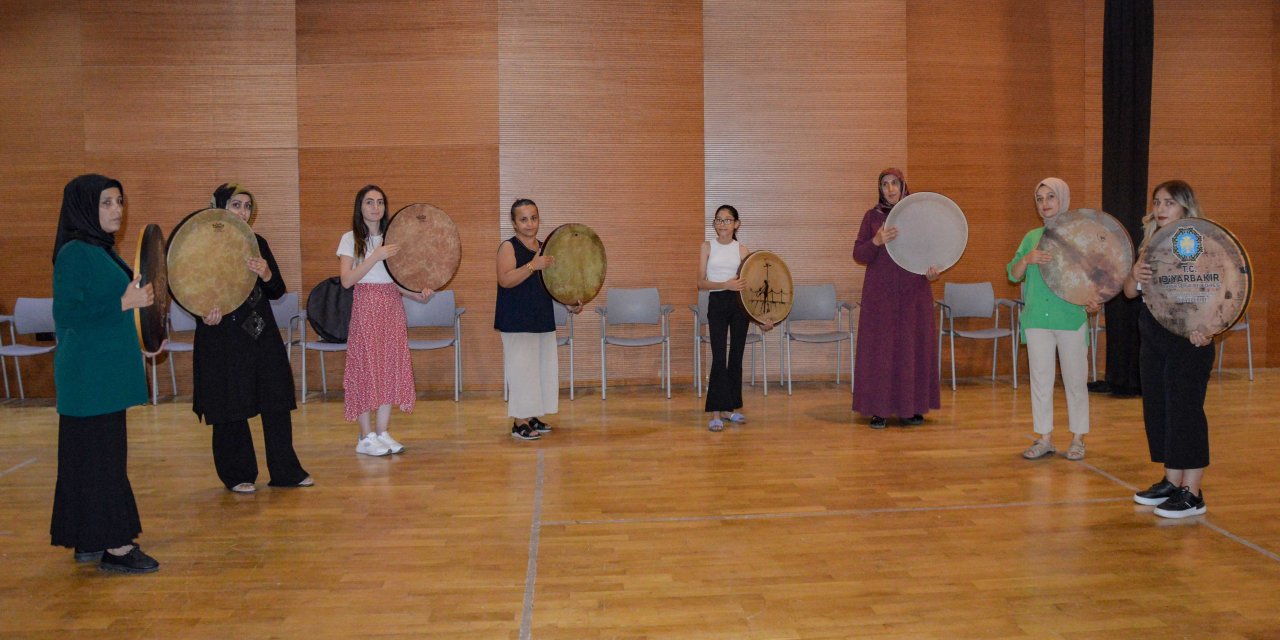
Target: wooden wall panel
39	33
805	104
601	124
160	33
1272	273
998	99
1212	127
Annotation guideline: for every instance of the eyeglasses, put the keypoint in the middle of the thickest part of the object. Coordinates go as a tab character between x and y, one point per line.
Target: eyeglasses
724	221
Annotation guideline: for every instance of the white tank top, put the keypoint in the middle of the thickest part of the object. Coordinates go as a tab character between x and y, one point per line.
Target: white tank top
723	262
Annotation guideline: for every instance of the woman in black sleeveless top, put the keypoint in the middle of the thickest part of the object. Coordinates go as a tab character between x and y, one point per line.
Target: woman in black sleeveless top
526	319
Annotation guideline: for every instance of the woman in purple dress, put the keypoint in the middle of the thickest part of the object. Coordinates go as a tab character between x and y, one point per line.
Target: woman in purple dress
897	360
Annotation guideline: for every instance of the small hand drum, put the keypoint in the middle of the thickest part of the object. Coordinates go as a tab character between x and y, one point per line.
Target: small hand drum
768	292
931	230
580	265
206	259
430	248
152	320
1092	255
1201	277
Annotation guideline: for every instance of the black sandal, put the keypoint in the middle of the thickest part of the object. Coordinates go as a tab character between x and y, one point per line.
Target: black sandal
539	426
523	432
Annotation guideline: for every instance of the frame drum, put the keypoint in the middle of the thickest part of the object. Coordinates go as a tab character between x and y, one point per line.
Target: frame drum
1201	279
767	294
206	260
580	266
152	320
1092	255
430	248
931	230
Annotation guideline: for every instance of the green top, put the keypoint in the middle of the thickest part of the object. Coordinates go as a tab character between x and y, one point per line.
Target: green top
97	367
1042	308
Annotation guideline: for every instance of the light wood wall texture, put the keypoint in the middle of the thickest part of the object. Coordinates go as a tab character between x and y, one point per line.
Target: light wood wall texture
635	118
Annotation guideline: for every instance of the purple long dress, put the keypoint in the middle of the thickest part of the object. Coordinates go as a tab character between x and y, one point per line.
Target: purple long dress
897	360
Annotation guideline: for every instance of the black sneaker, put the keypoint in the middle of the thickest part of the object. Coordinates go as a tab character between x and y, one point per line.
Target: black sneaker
133	562
87	556
913	421
877	422
539	426
1183	505
524	432
1157	493
1099	386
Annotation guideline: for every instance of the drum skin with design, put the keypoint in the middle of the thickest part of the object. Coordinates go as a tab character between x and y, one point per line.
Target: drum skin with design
1091	255
1201	278
767	292
206	257
430	247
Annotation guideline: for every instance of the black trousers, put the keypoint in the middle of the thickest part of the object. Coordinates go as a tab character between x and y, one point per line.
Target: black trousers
727	319
93	505
1175	377
236	462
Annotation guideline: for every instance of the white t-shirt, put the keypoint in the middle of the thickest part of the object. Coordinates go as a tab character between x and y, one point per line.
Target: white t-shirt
347	247
723	261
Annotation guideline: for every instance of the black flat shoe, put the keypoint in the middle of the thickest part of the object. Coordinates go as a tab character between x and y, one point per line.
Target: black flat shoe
87	556
1099	386
133	562
877	422
913	421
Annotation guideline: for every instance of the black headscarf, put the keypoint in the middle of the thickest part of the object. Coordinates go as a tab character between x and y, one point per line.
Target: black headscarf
79	218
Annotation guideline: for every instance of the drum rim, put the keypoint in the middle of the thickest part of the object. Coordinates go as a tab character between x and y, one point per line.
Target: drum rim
168	246
1119	225
1244	253
137	270
456	234
747	309
542	250
963	218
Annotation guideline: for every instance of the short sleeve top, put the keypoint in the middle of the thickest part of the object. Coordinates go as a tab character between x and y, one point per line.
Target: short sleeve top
347	247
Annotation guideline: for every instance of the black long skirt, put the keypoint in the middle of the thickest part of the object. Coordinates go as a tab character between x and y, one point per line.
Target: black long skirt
93	505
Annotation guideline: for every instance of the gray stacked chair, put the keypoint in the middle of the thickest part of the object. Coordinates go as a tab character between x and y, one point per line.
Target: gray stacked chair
635	306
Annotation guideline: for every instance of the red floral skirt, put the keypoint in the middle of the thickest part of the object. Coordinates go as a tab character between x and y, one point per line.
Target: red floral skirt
378	370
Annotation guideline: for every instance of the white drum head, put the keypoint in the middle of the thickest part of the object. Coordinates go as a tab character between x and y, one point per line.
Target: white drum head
931	230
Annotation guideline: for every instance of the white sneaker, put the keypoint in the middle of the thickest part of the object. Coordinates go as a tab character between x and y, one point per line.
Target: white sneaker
389	442
370	445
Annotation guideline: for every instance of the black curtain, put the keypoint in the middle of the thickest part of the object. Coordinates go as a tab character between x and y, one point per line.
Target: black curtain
1128	35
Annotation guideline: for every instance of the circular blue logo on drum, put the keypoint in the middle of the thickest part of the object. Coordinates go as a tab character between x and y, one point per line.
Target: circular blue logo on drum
1187	244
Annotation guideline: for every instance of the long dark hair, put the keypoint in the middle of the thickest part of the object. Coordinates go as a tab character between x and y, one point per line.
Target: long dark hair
358	227
732	211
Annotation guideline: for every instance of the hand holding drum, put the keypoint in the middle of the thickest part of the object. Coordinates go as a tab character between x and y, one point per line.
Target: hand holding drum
1084	256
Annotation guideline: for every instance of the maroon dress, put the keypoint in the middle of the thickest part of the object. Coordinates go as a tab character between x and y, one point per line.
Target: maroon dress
897	360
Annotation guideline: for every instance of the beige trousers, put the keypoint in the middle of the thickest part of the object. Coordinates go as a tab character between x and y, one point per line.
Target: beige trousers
532	369
1072	352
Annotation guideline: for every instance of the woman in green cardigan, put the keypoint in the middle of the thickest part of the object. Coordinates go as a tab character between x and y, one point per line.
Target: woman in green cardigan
98	372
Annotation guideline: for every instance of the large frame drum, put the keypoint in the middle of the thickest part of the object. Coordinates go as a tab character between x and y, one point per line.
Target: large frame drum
580	264
1092	255
768	292
1201	278
430	248
152	320
931	230
206	257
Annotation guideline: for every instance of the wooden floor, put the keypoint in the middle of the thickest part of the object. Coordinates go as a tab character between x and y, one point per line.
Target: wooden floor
633	521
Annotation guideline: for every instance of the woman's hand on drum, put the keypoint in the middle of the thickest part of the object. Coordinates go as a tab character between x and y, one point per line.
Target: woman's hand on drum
213	317
385	251
767	326
1199	339
933	272
259	266
152	354
1093	306
1036	256
421	296
884	235
1141	272
538	263
735	284
137	295
575	308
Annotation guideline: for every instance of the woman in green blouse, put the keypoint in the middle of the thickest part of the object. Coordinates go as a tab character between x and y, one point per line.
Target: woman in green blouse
98	372
1052	326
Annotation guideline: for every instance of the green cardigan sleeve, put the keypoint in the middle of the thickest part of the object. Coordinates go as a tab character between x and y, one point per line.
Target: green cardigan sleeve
80	298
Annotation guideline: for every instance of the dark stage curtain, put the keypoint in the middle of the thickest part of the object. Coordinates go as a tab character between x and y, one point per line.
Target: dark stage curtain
1128	36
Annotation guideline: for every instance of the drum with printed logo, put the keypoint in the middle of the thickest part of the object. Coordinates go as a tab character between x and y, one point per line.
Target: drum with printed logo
1201	277
207	261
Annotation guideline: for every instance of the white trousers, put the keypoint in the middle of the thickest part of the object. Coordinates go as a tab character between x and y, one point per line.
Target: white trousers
532	369
1072	351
